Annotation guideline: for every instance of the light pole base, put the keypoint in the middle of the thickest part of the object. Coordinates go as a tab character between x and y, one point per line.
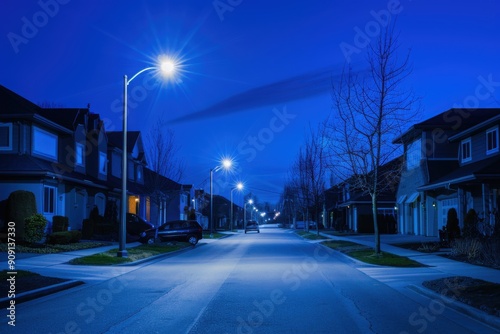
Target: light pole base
122	253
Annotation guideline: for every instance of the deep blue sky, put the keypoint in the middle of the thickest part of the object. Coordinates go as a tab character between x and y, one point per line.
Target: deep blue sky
240	68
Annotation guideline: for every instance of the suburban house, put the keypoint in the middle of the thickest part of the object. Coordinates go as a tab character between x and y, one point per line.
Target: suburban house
73	166
350	207
450	162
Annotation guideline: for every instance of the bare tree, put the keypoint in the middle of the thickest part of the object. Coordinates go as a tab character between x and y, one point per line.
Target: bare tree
370	109
309	174
162	150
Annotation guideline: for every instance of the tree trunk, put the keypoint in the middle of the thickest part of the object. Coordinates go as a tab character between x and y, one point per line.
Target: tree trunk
375	225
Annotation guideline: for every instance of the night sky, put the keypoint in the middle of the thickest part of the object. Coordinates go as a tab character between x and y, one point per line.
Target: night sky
253	74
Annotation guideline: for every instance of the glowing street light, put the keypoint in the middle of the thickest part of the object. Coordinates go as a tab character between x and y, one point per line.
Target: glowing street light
225	164
239	186
167	67
250	201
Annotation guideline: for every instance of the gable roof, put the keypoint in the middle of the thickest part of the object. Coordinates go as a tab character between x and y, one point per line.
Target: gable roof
115	139
67	117
455	119
480	170
14	104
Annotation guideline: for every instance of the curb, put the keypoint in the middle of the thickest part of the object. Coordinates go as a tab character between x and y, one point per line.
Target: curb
33	294
473	312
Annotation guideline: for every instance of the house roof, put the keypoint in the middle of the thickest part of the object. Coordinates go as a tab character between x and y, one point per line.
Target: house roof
437	169
115	138
456	119
12	103
474	172
67	117
476	128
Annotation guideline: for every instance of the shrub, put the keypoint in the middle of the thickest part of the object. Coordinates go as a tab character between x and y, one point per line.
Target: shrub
34	228
64	238
87	228
470	248
60	223
470	224
21	205
452	225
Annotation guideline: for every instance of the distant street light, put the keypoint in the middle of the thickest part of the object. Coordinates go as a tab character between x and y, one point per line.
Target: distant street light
250	201
167	67
226	164
239	186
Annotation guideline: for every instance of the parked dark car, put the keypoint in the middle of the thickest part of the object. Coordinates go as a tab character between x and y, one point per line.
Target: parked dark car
177	230
252	225
136	225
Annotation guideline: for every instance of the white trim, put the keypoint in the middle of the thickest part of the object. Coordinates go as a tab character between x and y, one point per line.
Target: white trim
412	198
103	159
9	126
79	154
465	141
495	149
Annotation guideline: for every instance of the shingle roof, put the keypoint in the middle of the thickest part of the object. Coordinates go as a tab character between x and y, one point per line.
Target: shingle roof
115	138
477	171
12	103
454	119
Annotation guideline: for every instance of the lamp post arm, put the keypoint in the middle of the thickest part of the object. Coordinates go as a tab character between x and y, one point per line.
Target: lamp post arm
141	71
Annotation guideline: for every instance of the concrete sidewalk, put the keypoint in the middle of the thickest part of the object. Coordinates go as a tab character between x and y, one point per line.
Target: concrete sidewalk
435	262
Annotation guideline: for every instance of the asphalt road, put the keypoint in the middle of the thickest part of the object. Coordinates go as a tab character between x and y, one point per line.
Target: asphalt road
271	282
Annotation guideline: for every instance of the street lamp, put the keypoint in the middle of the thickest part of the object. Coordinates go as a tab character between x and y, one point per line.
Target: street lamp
250	201
226	164
239	186
167	67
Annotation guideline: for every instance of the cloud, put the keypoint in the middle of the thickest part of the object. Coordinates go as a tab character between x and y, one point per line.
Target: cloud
295	88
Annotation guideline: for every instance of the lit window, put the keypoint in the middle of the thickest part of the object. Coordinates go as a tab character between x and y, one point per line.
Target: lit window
49	199
466	150
413	154
44	143
492	141
5	136
79	149
103	163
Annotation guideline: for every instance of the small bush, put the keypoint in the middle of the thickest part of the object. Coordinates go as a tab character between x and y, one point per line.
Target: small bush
470	248
87	228
34	228
470	224
60	223
21	205
452	225
64	238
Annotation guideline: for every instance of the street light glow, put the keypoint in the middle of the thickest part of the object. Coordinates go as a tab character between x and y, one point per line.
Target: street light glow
168	66
227	163
239	186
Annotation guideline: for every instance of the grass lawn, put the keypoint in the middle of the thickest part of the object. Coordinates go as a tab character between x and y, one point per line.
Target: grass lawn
310	235
215	235
134	254
57	248
366	254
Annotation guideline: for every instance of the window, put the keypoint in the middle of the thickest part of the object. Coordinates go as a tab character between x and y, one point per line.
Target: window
492	141
5	136
79	158
413	154
139	173
44	143
49	199
466	150
103	163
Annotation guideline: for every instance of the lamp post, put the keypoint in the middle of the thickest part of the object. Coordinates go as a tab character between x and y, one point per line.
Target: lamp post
226	164
239	186
167	67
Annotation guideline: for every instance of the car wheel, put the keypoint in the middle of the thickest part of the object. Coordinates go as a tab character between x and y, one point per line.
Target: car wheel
192	240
